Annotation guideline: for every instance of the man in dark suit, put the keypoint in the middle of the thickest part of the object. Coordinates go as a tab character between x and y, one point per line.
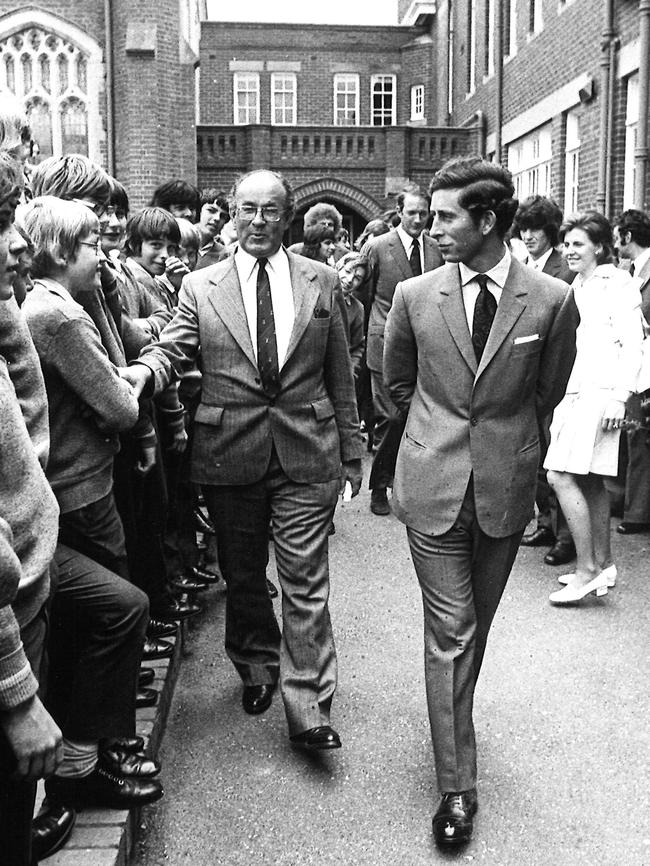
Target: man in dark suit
476	352
405	252
632	241
538	220
276	436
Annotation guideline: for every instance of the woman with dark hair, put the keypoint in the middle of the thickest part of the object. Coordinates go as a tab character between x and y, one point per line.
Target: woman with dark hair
319	243
586	424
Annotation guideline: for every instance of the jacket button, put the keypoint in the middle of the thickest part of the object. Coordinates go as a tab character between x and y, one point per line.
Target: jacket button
473	421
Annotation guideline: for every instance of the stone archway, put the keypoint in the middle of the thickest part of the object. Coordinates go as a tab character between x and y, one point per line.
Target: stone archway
356	206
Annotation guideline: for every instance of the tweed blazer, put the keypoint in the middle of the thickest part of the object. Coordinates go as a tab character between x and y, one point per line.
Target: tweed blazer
556	266
312	422
467	419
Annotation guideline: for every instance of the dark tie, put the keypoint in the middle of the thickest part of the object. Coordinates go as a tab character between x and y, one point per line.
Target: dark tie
267	348
486	307
632	269
414	258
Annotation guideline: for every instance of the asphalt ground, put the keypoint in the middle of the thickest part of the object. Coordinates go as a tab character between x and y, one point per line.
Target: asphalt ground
561	712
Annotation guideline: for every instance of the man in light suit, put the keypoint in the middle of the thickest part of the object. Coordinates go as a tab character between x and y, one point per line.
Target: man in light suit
276	437
538	220
476	352
405	252
632	243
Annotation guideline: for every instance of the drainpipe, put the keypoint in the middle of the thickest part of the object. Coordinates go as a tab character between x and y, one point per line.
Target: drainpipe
641	149
498	64
607	47
110	108
478	120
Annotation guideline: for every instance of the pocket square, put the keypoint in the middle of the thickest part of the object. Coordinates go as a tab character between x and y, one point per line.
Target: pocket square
518	340
321	313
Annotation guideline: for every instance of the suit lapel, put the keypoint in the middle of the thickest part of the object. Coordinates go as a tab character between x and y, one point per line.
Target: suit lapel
453	310
306	292
511	306
399	256
430	260
225	296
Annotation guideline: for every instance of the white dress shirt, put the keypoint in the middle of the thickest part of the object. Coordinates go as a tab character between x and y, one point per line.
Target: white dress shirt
407	243
284	311
497	277
539	263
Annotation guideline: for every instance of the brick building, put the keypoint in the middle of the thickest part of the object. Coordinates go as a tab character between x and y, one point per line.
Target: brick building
112	79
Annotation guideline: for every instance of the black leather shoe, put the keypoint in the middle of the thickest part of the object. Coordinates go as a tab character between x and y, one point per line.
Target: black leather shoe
124	744
379	501
187	584
202	523
145	677
452	823
102	788
51	829
145	698
541	537
175	610
205	574
629	528
158	628
272	588
156	649
257	699
561	553
322	737
123	763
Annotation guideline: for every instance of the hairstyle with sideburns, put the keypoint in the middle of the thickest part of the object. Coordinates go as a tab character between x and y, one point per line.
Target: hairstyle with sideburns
637	223
597	228
150	224
289	197
72	176
540	212
484	186
55	227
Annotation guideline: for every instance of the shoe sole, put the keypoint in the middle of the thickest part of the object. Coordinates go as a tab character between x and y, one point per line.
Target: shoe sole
42	855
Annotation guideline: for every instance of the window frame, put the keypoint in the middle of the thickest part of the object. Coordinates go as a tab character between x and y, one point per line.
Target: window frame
530	160
417	95
236	78
374	79
571	161
352	77
275	92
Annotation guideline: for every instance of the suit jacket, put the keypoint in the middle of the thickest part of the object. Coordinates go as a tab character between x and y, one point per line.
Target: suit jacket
644	276
556	266
466	419
388	266
312	422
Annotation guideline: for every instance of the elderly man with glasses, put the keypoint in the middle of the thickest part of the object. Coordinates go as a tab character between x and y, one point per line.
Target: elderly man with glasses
276	438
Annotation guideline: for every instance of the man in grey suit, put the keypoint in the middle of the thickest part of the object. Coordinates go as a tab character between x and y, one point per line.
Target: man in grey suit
405	252
276	438
632	241
476	352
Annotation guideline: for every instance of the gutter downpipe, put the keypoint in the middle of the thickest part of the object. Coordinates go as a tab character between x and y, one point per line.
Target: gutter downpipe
641	149
607	47
110	108
498	63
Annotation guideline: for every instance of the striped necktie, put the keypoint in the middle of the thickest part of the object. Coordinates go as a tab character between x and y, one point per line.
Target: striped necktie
267	348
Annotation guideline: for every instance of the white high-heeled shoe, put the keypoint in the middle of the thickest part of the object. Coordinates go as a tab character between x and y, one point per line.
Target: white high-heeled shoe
571	594
611	573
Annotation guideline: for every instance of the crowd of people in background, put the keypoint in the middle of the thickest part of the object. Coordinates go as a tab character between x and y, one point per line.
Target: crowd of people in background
106	543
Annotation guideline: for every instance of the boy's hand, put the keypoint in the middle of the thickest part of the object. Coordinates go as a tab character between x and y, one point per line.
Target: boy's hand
175	270
178	443
35	740
137	375
147	459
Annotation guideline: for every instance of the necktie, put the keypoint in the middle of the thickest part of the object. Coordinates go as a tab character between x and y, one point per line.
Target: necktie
414	258
267	348
486	307
632	269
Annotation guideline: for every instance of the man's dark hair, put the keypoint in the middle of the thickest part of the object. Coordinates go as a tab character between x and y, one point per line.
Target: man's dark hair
150	224
485	186
597	228
637	223
412	189
540	212
289	196
176	191
213	195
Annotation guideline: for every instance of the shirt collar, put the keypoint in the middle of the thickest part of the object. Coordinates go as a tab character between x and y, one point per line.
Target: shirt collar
246	262
541	261
406	238
55	288
498	274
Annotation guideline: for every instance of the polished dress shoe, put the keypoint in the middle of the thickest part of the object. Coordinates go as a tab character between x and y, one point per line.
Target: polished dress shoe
272	588
145	677
561	553
541	537
316	739
156	649
453	822
379	501
51	829
611	573
571	594
158	628
176	610
183	583
123	763
102	788
257	699
205	574
202	523
124	744
145	698
629	528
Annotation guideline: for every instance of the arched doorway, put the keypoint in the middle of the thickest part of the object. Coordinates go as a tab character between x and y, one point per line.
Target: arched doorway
355	206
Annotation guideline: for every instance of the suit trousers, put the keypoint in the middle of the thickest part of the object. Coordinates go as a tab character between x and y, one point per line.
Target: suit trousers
388	429
303	656
462	576
637	480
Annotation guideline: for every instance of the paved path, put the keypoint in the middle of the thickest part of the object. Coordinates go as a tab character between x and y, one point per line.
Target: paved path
562	716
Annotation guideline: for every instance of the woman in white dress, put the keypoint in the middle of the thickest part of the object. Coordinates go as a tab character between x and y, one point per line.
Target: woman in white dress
587	423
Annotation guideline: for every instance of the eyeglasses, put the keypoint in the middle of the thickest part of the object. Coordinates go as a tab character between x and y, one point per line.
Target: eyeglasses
269	214
96	245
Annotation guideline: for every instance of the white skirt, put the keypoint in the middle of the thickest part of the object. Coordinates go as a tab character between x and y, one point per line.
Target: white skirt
578	442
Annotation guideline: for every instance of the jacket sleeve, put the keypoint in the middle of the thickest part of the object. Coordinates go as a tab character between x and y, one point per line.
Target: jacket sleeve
400	353
558	355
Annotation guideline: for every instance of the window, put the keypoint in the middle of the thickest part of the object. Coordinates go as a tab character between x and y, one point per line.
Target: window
489	37
417	102
283	98
535	23
571	163
346	100
382	100
509	28
247	98
471	46
529	160
631	124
